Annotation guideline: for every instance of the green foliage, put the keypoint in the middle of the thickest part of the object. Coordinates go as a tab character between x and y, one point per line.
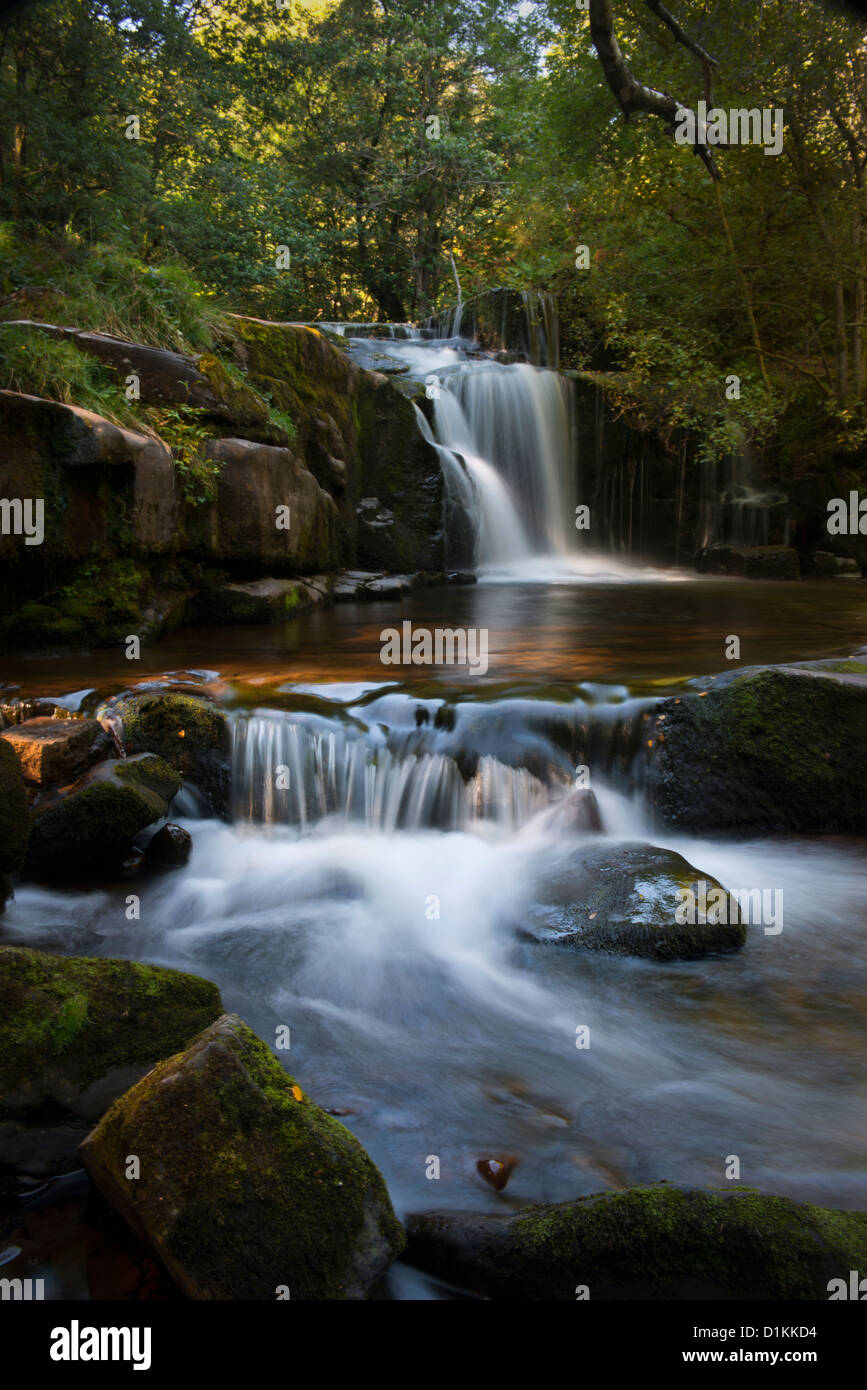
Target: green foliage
186	434
40	365
104	288
308	129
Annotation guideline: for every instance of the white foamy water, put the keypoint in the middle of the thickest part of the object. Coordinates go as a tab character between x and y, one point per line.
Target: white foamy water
393	951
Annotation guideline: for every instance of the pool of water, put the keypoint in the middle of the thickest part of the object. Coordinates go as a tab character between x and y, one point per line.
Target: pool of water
449	1034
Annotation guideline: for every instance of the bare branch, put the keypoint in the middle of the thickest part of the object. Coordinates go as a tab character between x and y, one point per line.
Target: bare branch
680	34
631	94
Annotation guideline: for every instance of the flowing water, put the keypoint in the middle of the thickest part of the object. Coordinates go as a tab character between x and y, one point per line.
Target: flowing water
379	902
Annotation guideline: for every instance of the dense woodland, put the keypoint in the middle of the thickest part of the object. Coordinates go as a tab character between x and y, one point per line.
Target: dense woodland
358	159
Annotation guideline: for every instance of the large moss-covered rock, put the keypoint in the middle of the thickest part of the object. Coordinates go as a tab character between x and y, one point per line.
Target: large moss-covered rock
14	819
659	1242
97	818
775	750
246	1186
75	1032
625	899
190	733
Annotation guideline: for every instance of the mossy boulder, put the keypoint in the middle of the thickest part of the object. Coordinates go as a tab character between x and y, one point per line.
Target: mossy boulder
775	750
96	820
190	733
76	1032
246	1186
14	819
659	1242
626	899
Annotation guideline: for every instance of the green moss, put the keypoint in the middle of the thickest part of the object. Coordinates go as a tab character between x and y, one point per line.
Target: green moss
99	818
91	1015
739	1241
152	774
69	1022
776	750
190	733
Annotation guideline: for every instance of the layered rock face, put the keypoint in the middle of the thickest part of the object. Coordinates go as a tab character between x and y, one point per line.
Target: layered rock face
279	458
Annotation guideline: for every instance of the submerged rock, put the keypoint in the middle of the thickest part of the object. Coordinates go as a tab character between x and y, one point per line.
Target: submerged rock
623	899
781	749
95	821
74	1035
57	750
14	819
191	733
246	1185
659	1242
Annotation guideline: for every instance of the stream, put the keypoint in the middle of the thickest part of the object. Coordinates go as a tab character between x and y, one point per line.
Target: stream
379	905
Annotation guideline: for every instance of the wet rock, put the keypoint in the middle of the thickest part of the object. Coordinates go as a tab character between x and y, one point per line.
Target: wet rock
577	812
14	819
495	1171
95	820
367	443
38	1151
171	846
825	565
133	865
76	1033
246	1185
352	584
750	562
391	586
262	601
775	750
190	733
57	750
624	899
659	1242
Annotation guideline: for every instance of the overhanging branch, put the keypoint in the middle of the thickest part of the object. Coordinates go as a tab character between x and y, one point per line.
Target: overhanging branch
632	95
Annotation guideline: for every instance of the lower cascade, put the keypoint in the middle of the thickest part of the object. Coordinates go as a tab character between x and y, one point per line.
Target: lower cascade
401	764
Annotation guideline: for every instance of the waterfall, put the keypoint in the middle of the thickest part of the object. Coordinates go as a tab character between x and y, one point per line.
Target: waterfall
506	435
289	771
512	425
